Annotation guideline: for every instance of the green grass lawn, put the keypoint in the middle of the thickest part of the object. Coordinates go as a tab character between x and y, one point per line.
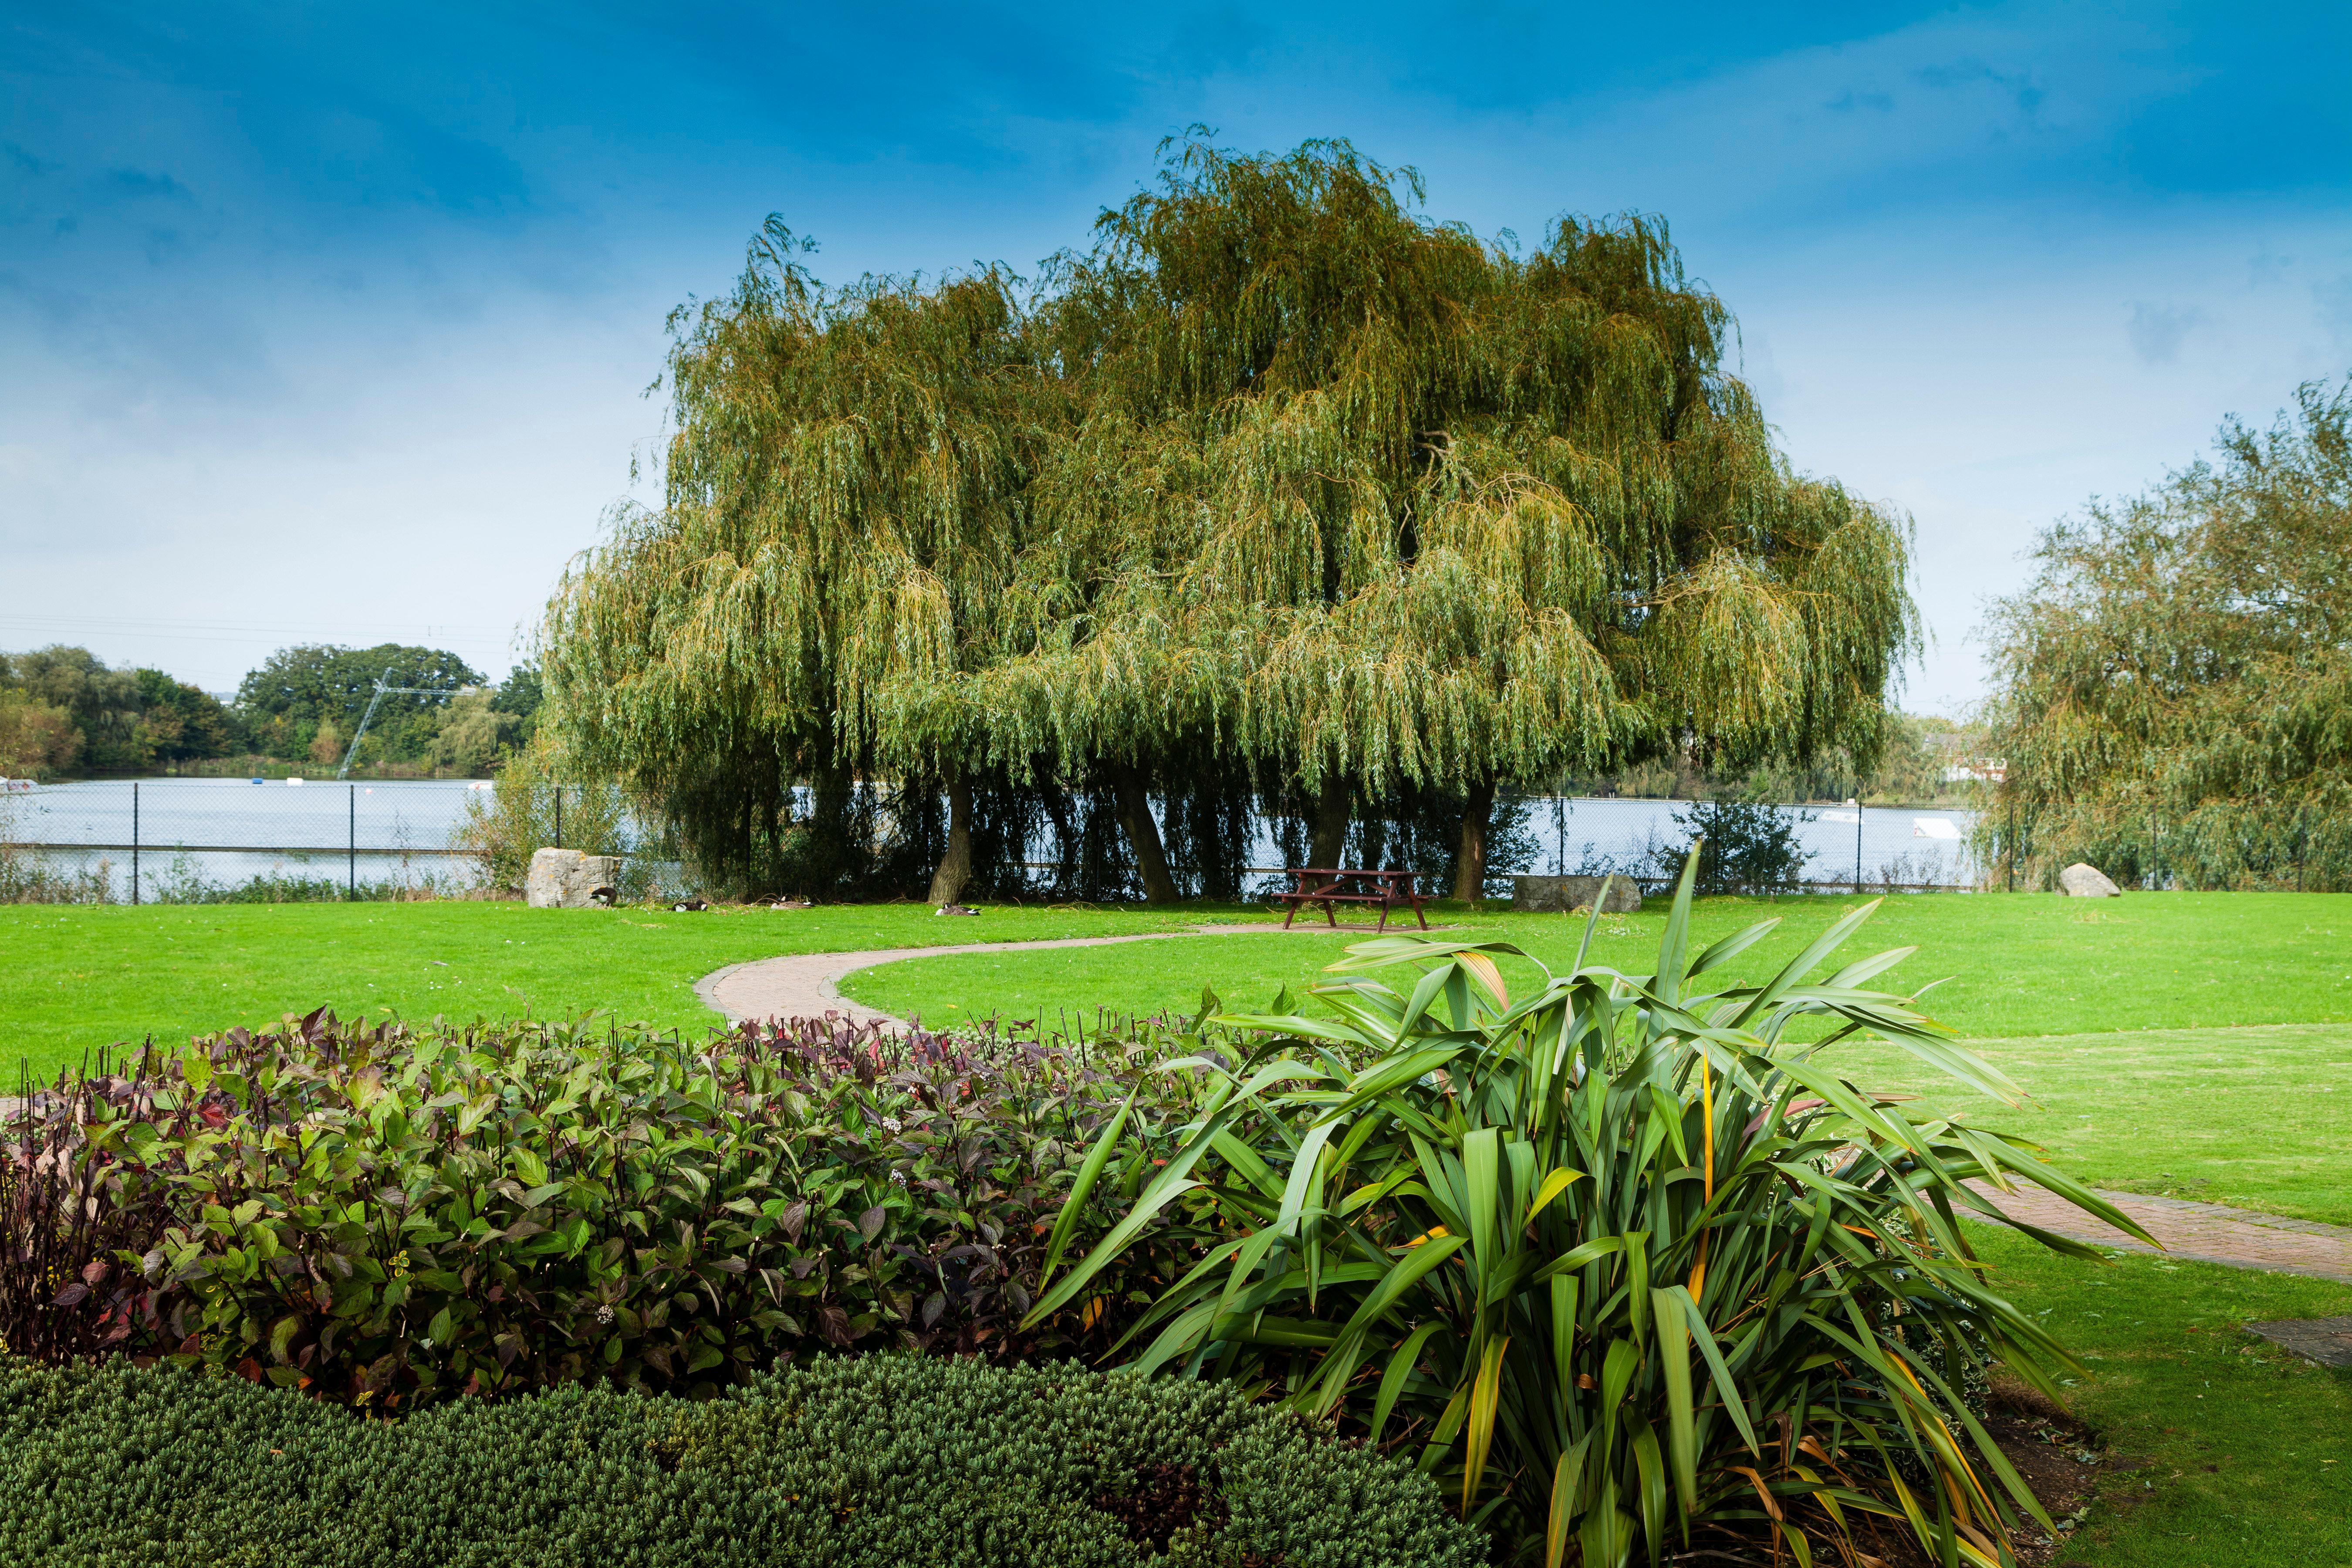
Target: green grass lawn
2149	1079
2222	1449
2125	1020
2258	1117
2192	1044
2010	965
74	979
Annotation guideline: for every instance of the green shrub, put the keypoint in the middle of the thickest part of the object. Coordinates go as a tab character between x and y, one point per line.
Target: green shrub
1618	1259
382	1216
867	1463
1743	846
524	811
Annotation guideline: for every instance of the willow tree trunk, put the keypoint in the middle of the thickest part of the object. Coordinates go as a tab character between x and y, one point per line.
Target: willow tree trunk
1470	864
1326	837
1142	836
955	866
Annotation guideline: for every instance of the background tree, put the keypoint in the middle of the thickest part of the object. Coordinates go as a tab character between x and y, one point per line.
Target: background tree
844	544
104	704
37	738
1281	496
185	723
298	690
474	736
68	707
519	697
2176	683
1400	513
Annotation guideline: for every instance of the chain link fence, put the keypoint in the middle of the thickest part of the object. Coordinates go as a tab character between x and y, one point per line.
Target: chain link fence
219	840
231	840
1825	848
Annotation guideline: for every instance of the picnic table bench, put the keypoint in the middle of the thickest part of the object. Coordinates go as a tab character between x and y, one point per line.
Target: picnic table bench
1330	886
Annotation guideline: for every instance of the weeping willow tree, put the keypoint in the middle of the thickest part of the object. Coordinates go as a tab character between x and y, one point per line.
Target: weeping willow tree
1395	510
2175	682
1280	489
840	549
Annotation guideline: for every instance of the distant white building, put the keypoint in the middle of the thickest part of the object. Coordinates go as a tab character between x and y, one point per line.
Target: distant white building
1962	767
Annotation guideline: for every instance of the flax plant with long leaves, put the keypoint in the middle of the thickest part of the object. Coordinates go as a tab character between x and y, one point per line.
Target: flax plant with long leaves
1626	1259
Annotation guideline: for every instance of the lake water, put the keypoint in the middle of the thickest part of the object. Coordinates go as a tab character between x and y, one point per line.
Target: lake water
229	830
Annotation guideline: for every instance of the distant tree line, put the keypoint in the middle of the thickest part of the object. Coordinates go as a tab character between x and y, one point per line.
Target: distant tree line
64	712
1922	759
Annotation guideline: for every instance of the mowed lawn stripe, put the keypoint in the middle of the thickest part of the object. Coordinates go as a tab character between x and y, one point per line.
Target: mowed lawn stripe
2256	1118
75	980
2000	964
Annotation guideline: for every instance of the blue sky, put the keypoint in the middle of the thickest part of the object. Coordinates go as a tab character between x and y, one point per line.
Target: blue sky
334	323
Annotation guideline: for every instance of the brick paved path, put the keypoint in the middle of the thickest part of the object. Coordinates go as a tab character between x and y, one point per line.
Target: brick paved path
2211	1233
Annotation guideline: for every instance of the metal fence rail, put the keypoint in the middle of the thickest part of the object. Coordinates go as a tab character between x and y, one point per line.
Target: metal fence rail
147	838
1839	847
167	838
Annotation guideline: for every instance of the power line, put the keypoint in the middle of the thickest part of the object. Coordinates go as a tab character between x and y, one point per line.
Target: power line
150	623
474	638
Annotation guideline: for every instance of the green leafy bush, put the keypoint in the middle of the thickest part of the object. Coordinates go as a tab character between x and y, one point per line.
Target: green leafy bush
377	1216
525	811
1743	846
867	1463
1620	1259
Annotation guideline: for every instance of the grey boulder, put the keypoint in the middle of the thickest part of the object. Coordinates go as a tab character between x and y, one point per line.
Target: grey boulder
569	879
1559	895
2081	881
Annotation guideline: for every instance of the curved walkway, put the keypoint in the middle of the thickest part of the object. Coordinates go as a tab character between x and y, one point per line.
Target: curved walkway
2209	1233
808	984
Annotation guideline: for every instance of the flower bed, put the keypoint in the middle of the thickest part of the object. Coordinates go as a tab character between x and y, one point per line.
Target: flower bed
381	1217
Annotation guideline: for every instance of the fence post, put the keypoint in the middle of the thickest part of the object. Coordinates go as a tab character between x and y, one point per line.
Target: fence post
559	816
352	852
2011	847
1857	846
134	841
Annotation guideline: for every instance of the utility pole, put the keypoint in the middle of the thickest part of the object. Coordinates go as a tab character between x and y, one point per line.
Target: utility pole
383	691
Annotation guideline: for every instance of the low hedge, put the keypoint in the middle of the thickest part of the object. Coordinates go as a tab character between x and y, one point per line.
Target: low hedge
877	1460
384	1216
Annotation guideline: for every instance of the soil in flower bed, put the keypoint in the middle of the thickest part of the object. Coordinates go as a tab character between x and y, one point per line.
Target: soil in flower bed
2057	1455
1163	1500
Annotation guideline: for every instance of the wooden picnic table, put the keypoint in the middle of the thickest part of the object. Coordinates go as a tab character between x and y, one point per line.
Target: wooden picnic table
1329	886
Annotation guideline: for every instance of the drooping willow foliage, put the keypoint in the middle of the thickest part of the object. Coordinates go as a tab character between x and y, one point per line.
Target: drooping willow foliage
2176	683
1279	495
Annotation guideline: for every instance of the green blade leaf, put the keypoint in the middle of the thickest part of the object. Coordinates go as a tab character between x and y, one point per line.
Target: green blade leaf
1400	1371
1674	1364
1082	1188
1726	1386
